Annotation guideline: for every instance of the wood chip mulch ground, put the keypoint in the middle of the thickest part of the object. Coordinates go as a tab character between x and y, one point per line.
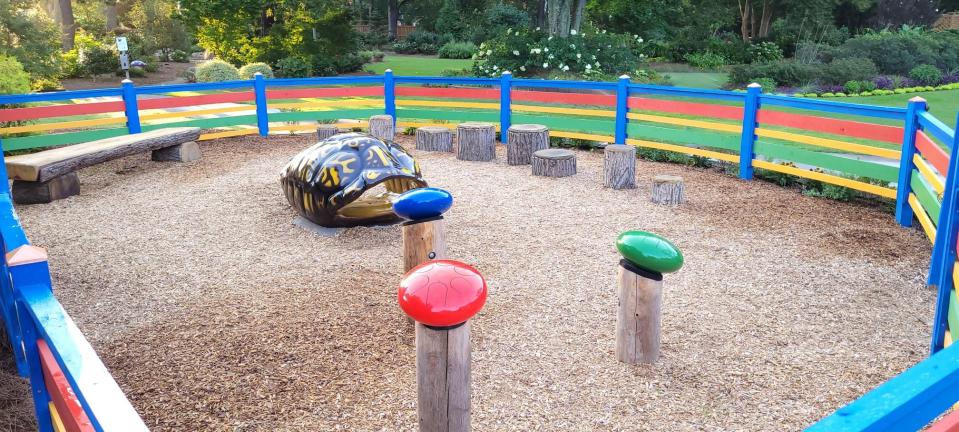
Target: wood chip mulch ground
215	313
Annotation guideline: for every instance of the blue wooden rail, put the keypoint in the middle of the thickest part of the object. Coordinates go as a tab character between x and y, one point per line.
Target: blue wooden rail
31	312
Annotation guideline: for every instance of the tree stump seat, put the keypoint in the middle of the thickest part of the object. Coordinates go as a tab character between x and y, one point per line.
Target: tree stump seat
382	127
434	138
523	140
50	175
324	131
668	190
553	163
475	141
619	166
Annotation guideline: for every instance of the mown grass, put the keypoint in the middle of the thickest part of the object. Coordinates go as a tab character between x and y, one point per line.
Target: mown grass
416	65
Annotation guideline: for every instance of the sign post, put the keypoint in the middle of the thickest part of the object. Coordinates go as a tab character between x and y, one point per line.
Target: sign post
124	57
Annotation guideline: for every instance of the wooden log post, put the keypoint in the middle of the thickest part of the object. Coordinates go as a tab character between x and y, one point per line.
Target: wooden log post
382	127
442	314
434	138
523	140
646	257
424	234
476	141
553	163
423	241
324	131
443	378
186	152
639	319
619	166
667	190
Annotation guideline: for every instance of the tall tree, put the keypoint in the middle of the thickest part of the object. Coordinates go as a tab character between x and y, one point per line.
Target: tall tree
110	13
61	11
558	17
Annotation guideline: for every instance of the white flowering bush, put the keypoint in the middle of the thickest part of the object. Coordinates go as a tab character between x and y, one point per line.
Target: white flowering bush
529	53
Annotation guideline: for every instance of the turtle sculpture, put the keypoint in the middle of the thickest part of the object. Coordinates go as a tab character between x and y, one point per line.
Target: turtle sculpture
325	183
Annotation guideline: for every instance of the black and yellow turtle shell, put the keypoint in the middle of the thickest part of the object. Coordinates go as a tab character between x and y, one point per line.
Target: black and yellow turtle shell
324	183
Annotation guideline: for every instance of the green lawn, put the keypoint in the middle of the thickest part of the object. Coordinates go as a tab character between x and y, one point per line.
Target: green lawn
415	65
706	80
944	104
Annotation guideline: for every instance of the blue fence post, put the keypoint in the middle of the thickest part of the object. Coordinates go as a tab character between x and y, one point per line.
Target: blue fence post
29	271
389	94
259	95
505	105
622	107
5	188
130	107
747	141
944	249
903	210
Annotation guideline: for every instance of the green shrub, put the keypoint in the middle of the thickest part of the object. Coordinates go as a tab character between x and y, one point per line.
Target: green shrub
98	60
812	95
292	67
926	74
535	53
247	71
829	191
13	79
135	72
419	42
828	94
457	50
45	85
768	84
215	71
374	55
765	52
705	60
496	20
787	73
899	91
179	56
897	52
70	64
858	86
843	70
346	63
189	75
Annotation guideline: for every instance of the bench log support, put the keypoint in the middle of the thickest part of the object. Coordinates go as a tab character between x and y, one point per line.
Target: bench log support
28	192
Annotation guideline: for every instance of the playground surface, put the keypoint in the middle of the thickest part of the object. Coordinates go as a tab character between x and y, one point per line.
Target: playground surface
214	312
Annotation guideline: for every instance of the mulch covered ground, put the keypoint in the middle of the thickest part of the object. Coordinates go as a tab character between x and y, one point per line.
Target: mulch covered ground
215	313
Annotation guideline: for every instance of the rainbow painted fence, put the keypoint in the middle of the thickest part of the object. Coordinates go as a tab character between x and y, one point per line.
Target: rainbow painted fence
902	154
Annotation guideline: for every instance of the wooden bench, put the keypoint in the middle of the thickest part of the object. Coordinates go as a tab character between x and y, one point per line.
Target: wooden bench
50	175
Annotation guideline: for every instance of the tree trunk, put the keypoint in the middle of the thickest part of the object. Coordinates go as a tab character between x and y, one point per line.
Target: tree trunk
766	19
393	17
61	11
110	12
744	10
541	13
558	14
578	14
